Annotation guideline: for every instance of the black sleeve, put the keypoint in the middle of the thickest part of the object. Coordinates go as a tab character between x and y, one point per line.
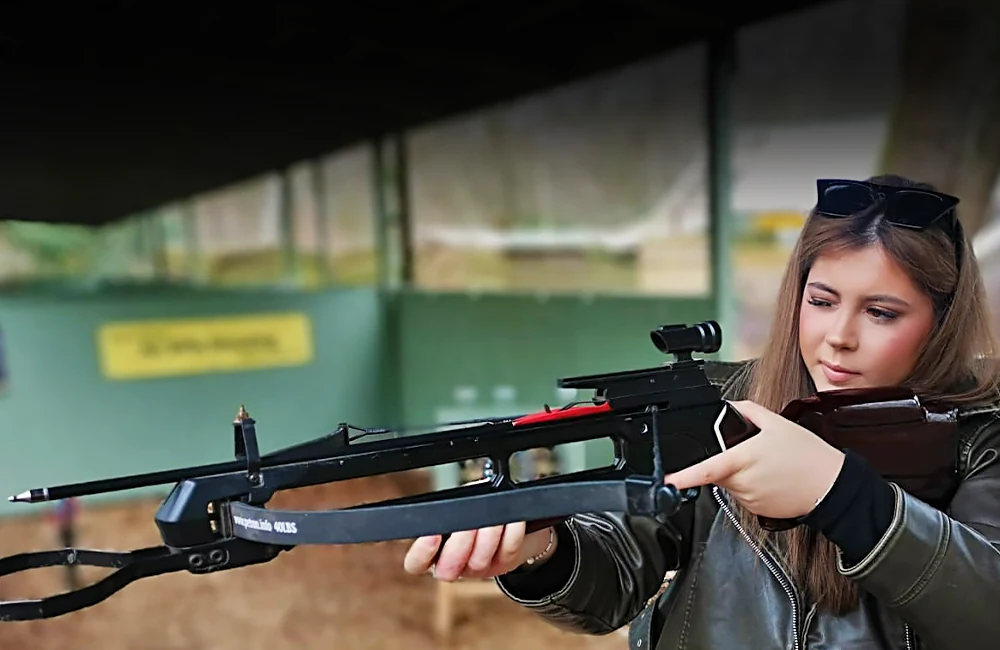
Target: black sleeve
857	511
534	582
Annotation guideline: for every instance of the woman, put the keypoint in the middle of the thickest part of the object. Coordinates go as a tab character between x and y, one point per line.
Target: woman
882	289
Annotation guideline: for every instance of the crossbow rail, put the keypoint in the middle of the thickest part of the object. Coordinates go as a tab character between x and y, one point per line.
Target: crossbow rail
215	518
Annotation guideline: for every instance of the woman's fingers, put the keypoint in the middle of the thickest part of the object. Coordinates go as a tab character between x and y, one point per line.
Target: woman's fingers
484	550
455	555
508	555
420	556
479	553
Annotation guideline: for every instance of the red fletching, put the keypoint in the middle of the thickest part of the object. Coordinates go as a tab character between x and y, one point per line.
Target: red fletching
560	414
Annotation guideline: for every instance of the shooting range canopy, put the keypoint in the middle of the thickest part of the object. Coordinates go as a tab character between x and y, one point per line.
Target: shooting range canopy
119	110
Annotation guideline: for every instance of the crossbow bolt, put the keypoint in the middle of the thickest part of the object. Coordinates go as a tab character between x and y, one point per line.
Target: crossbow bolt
242	415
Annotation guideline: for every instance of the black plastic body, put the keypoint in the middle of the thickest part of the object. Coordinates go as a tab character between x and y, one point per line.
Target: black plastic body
687	408
659	419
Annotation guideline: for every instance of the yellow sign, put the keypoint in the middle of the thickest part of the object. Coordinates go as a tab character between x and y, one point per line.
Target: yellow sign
779	220
145	349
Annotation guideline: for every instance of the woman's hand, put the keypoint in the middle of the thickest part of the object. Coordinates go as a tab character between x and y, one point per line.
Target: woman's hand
782	472
482	553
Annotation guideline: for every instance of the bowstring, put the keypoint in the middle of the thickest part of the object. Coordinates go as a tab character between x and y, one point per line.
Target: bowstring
395	432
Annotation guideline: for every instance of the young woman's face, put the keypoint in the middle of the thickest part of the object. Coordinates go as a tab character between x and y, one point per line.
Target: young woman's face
862	321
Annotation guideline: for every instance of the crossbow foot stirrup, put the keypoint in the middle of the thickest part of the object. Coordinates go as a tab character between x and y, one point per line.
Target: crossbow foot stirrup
130	565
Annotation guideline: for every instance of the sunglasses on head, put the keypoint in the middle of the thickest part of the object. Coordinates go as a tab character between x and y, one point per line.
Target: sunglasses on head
902	206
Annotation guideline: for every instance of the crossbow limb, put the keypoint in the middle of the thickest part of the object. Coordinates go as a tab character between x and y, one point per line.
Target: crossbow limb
660	420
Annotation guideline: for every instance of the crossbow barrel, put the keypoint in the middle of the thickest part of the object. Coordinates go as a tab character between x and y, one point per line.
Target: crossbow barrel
309	450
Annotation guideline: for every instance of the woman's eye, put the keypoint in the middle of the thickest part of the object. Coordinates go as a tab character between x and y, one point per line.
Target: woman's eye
816	302
882	314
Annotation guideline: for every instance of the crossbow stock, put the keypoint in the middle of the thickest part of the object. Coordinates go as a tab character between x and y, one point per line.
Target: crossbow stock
660	420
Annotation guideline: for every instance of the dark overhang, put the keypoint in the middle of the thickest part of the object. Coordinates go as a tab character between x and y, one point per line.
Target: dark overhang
114	108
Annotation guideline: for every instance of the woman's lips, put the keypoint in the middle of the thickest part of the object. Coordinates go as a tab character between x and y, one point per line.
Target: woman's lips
836	374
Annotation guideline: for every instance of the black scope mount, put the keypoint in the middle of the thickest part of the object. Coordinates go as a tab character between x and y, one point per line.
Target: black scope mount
682	340
681	380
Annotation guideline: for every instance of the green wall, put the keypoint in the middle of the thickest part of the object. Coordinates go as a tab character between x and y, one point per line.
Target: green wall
381	360
449	341
61	421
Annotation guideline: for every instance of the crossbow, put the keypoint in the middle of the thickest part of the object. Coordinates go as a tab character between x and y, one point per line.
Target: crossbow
660	419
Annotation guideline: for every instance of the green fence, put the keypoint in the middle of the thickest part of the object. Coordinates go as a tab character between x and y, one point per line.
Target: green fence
502	354
62	421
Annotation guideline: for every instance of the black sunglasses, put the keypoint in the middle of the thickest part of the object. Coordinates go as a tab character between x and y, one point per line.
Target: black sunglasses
903	206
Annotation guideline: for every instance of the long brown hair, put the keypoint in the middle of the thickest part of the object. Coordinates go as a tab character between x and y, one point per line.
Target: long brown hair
952	366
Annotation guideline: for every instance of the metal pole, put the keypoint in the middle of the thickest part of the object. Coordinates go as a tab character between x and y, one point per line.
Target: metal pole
721	64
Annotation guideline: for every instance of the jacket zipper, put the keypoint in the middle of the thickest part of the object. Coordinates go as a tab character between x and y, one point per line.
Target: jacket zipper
911	643
779	576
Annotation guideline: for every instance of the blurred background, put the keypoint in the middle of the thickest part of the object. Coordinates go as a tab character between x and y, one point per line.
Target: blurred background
493	199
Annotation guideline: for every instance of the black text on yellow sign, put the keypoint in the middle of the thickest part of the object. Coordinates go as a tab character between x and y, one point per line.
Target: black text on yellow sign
177	347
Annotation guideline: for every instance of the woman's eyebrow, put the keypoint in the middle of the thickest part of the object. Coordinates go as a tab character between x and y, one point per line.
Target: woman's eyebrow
882	297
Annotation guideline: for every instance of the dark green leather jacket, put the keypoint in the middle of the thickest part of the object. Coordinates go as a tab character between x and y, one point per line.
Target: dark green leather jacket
932	582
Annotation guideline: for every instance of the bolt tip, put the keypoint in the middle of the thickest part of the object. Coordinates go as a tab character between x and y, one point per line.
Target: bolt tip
24	496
